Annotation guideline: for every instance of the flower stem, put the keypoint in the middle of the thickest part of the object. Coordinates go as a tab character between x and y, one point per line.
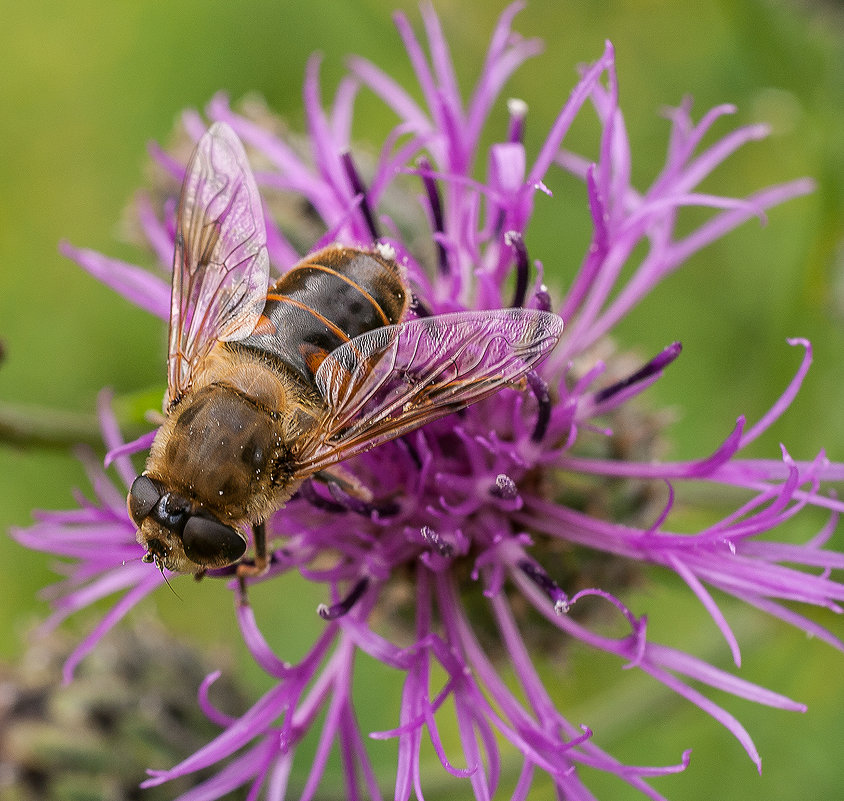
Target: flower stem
34	426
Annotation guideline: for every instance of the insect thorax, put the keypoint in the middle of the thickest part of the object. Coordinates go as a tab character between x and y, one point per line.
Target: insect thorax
226	452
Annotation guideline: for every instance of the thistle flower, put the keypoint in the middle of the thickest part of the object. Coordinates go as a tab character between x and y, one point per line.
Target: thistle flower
134	701
517	525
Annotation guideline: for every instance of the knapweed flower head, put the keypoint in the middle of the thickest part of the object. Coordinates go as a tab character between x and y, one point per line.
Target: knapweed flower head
521	522
132	702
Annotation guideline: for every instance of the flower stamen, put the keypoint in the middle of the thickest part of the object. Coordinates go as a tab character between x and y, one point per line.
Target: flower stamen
504	487
518	111
545	583
443	548
542	299
436	208
514	240
651	368
539	388
343	607
359	188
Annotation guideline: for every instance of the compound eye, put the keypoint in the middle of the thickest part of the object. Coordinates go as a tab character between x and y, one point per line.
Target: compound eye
209	543
143	496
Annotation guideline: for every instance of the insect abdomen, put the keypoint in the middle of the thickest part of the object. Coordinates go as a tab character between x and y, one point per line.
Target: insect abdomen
314	308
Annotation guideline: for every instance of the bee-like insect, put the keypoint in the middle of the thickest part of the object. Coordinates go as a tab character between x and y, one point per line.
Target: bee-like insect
270	385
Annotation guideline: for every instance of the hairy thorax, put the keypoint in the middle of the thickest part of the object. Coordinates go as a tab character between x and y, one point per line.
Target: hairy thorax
227	444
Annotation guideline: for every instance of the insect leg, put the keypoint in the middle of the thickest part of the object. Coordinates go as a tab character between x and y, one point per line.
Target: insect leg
259	534
338	475
256	566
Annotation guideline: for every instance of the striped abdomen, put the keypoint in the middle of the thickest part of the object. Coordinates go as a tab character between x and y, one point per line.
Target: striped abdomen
323	302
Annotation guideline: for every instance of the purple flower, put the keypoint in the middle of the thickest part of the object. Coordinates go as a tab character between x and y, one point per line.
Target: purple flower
443	575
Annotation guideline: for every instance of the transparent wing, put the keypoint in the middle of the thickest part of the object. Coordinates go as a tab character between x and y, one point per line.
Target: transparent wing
220	263
392	380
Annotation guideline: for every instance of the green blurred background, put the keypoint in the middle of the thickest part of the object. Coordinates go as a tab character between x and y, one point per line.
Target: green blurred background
85	86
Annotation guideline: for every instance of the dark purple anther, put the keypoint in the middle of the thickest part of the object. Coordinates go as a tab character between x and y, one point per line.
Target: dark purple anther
343	607
661	360
359	189
518	111
437	220
515	241
545	583
540	391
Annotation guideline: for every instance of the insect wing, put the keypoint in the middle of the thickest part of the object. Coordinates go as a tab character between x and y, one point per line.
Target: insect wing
220	263
391	380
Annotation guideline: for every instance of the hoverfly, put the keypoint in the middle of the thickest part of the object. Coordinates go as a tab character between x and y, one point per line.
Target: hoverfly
271	385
